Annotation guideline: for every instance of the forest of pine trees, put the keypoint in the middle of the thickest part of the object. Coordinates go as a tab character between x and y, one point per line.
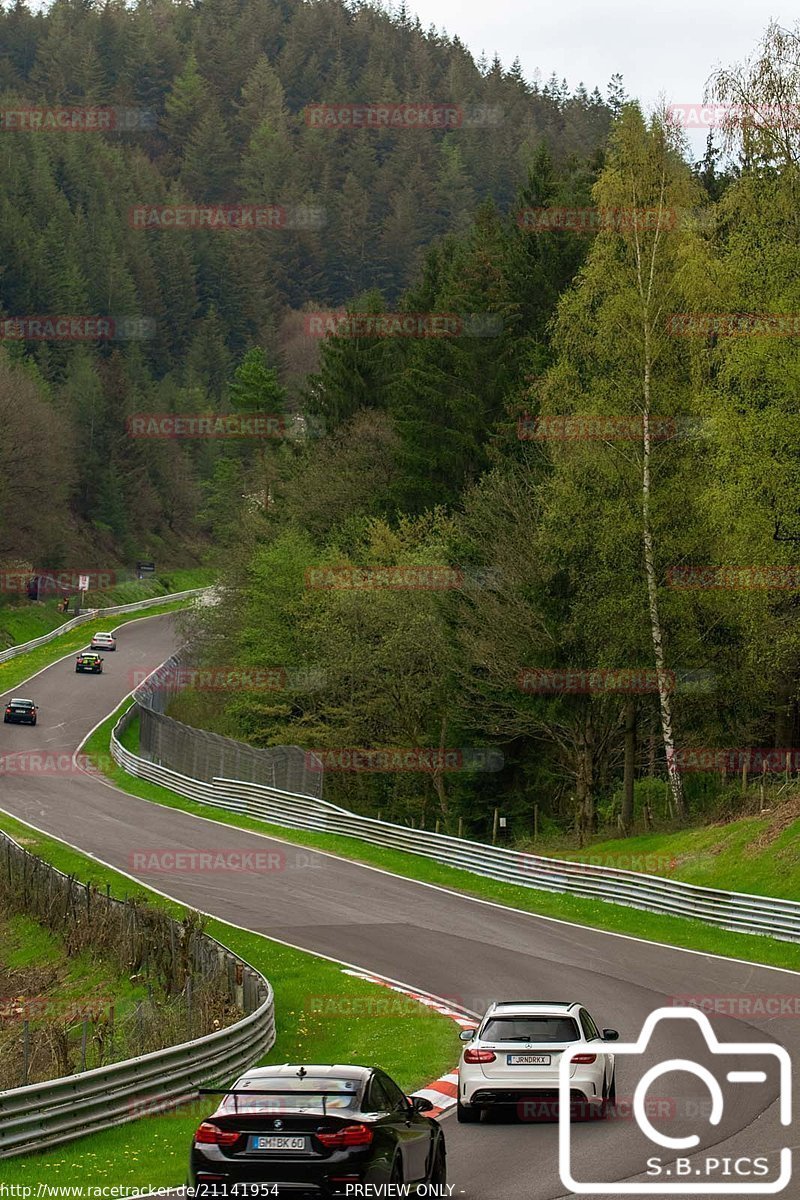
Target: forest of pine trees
220	89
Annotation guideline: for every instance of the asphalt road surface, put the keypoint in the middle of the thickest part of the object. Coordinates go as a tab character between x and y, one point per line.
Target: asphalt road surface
440	941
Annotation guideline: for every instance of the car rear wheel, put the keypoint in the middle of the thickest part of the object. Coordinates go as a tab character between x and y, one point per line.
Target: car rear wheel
467	1116
396	1177
438	1176
610	1099
33	722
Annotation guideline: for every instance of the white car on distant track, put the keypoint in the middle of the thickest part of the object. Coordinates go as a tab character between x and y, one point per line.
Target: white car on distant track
103	641
514	1054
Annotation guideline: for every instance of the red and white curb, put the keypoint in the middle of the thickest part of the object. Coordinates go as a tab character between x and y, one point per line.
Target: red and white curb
443	1092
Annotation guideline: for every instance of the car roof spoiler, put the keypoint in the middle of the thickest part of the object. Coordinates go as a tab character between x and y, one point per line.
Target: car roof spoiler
273	1092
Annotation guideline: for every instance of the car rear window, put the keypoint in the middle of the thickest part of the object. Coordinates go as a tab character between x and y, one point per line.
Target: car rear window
291	1098
530	1029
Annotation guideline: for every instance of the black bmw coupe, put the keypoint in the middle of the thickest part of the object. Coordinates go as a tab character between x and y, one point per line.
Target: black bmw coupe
314	1130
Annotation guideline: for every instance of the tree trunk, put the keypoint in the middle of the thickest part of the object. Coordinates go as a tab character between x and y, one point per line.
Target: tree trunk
783	712
438	774
665	700
584	784
629	774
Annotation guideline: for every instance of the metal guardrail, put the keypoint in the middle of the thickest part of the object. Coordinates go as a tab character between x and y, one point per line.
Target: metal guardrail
767	915
57	1110
95	614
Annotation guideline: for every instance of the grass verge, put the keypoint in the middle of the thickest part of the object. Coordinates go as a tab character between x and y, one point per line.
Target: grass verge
22	621
127	591
754	854
152	1151
615	918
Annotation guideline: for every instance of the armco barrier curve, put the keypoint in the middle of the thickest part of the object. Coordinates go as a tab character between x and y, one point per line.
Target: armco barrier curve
95	614
767	915
46	1114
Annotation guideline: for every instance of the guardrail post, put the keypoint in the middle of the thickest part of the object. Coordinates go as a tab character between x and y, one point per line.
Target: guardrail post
26	1051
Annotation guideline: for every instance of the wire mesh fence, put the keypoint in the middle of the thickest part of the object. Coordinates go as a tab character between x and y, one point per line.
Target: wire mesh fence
206	756
181	984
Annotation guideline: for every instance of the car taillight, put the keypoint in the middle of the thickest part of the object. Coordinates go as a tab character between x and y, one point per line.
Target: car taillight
479	1056
347	1137
585	1058
210	1135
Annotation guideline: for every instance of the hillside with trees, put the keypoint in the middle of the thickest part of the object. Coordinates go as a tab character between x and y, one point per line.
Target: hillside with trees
668	555
211	105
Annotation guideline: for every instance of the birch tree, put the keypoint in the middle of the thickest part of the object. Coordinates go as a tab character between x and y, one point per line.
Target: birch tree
617	358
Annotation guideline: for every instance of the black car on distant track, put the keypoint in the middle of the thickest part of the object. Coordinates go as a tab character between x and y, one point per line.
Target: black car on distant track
92	663
20	712
314	1130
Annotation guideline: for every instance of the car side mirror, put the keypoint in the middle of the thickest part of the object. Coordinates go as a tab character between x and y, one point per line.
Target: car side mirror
421	1104
610	1035
467	1035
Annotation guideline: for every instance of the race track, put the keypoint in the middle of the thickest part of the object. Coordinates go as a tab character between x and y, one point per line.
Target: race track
442	942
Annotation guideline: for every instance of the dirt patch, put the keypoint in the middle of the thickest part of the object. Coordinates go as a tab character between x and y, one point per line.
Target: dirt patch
26	981
779	821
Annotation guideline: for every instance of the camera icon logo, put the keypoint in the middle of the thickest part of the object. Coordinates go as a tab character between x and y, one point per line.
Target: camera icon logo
693	1185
